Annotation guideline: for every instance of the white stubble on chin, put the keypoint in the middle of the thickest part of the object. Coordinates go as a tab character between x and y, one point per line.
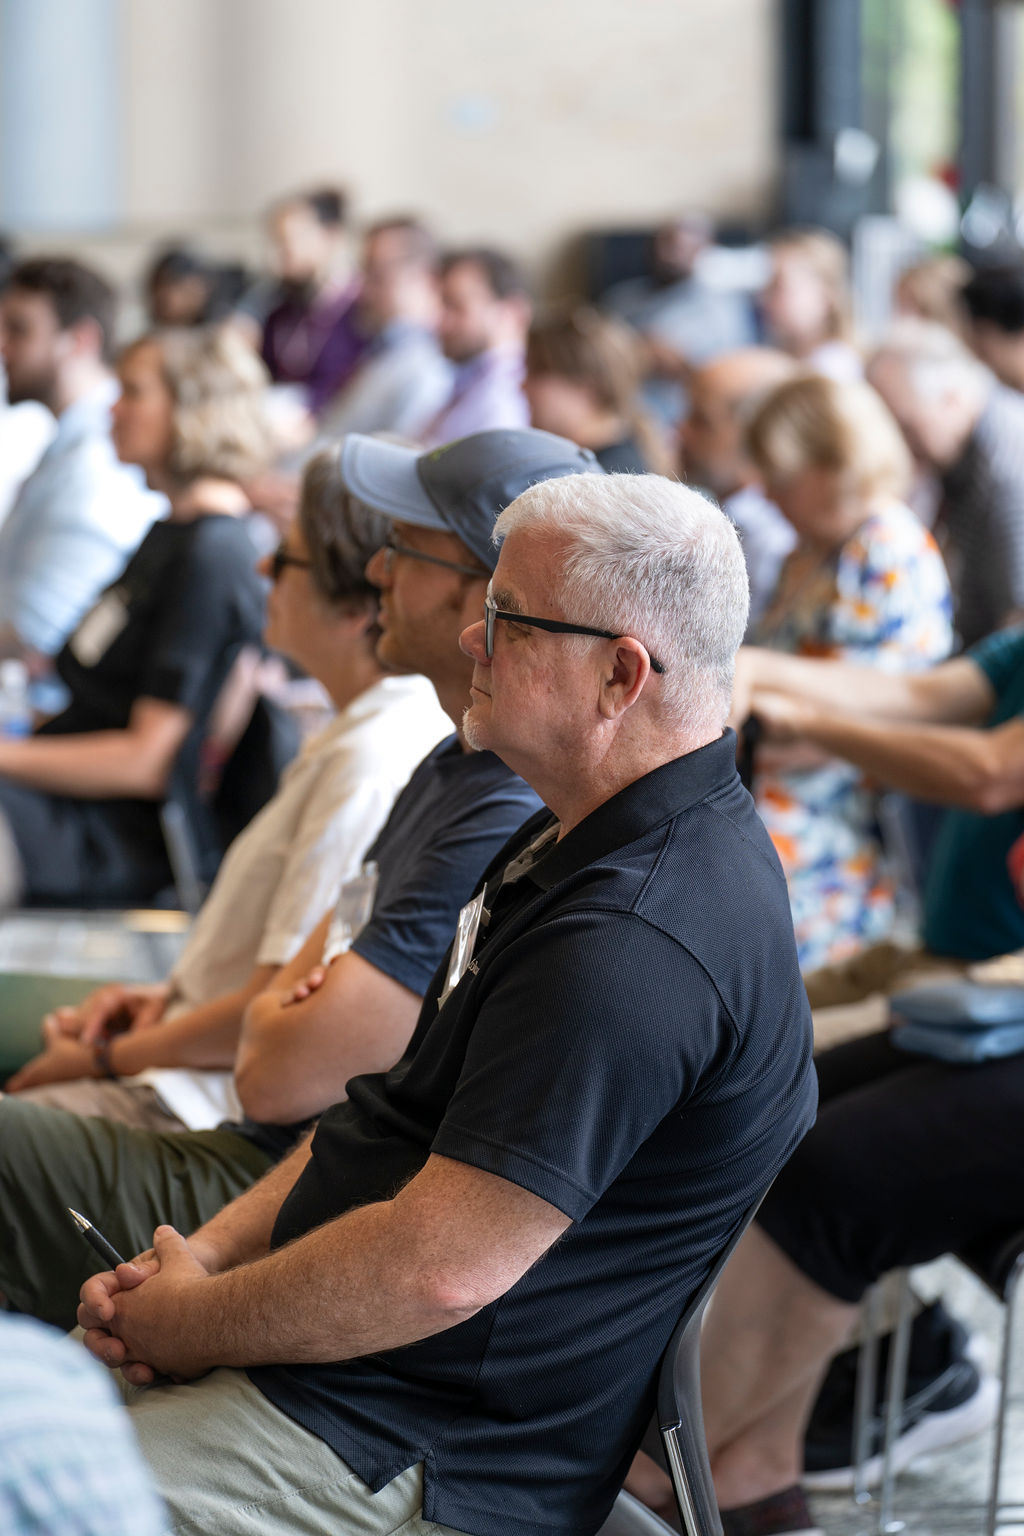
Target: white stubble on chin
471	730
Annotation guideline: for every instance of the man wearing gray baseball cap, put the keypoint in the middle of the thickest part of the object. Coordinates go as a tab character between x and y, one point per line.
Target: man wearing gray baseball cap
461	487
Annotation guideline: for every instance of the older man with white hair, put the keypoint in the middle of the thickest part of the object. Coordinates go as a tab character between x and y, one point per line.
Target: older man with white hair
969	431
445	1311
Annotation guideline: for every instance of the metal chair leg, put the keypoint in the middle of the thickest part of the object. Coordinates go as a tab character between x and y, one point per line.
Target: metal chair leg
1009	1298
895	1391
680	1474
864	1395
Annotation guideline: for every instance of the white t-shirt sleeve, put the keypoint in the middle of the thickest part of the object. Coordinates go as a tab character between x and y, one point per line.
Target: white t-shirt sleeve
342	818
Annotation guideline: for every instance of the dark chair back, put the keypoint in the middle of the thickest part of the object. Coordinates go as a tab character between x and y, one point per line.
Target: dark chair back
680	1415
252	772
206	809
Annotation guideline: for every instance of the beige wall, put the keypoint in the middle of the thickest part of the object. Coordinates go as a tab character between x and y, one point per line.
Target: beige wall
521	123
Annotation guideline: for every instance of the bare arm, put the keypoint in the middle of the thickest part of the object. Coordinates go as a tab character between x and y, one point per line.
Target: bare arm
307	959
452	1241
240	1232
98	765
953	693
296	1057
953	765
205	1038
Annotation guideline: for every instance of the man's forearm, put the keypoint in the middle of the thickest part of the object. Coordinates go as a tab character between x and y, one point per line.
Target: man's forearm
93	765
955	692
241	1231
347	1289
951	765
295	1059
452	1240
830	684
205	1037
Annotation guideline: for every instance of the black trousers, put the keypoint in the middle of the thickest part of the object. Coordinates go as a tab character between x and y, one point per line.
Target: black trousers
85	852
909	1159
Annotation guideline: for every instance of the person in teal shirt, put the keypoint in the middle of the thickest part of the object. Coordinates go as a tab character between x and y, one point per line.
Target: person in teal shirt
954	736
971	909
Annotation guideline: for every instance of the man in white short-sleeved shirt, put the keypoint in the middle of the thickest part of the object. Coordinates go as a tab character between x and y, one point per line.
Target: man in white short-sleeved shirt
277	880
285	871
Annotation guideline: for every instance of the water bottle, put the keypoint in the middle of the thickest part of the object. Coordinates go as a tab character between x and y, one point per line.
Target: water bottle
15	709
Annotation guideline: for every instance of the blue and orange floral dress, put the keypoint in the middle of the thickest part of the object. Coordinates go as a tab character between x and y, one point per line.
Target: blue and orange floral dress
882	599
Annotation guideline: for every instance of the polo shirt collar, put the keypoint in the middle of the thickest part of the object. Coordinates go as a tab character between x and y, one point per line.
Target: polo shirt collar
639	808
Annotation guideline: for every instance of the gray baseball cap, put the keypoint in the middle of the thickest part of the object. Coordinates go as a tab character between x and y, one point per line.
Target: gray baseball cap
461	487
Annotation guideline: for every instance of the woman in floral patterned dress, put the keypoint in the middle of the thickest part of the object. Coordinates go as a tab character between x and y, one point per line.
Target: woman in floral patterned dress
865	583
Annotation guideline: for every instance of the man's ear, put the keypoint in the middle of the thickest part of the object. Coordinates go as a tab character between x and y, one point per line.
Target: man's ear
623	685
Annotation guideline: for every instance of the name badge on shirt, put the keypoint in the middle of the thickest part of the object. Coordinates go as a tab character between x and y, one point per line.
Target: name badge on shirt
99	629
462	948
352	912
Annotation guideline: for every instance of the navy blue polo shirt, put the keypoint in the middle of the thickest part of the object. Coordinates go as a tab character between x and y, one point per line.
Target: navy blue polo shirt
631	1043
457	809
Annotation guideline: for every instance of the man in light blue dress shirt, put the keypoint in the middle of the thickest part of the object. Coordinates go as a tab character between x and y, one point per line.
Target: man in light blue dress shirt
485	315
403	379
81	512
69	1464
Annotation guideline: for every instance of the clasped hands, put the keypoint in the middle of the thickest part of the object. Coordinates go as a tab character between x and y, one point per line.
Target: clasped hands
70	1034
135	1317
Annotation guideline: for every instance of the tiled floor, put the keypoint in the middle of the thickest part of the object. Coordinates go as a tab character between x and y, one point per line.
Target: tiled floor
943	1493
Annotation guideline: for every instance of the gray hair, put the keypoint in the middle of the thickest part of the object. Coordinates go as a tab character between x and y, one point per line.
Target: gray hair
650	558
935	361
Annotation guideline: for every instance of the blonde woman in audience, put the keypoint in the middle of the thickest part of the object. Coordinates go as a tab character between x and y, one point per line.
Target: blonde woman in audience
285	870
806	302
931	290
865	582
583	382
80	797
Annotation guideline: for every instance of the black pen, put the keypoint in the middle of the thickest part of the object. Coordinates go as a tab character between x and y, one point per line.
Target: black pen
96	1240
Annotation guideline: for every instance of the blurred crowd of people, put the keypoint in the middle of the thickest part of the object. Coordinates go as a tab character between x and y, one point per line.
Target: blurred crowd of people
878	489
878	506
238	479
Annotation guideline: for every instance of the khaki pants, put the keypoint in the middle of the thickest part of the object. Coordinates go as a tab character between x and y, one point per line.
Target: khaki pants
228	1463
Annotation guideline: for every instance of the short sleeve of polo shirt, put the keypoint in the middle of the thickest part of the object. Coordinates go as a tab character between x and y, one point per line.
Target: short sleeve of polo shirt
412	925
208	598
1000	656
455	814
596	1025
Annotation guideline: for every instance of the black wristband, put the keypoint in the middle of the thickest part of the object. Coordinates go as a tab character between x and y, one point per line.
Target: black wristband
101	1059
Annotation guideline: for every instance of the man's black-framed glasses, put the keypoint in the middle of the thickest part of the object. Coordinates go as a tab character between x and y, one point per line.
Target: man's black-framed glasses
282	557
553	626
392	548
